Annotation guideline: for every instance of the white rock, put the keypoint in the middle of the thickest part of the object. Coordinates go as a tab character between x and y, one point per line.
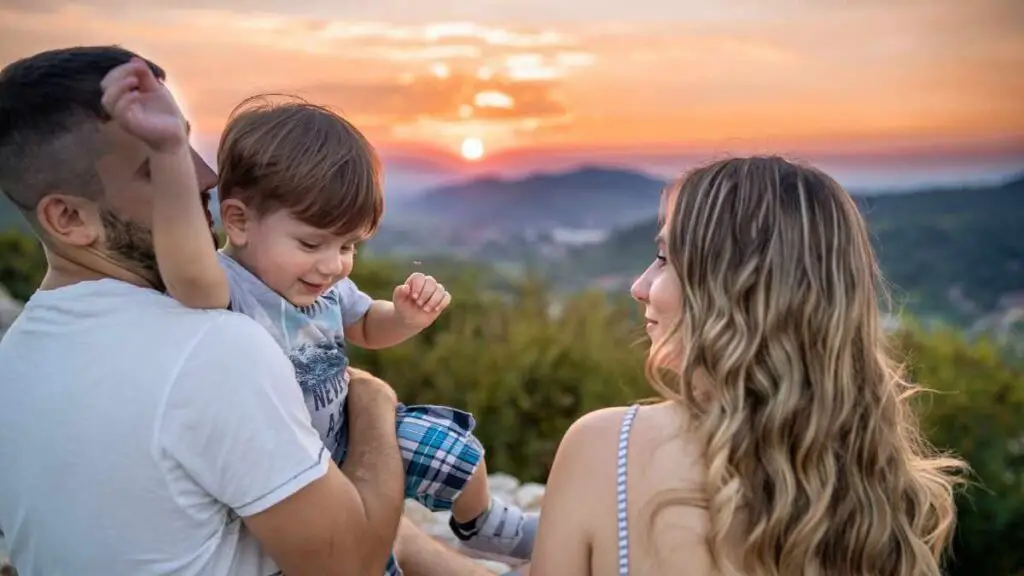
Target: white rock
502	483
496	567
530	496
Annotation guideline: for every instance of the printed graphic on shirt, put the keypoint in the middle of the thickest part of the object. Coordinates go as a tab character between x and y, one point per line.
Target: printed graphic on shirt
313	337
320	369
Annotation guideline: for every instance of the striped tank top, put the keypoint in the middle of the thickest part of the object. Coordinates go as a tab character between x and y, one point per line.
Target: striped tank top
620	489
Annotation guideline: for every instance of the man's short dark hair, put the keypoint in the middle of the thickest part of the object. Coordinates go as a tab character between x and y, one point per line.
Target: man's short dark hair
50	113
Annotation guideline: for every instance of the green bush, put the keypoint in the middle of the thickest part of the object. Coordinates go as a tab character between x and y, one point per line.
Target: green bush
22	264
977	412
525	368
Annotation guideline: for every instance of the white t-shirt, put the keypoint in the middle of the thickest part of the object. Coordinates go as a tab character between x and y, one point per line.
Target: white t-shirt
134	432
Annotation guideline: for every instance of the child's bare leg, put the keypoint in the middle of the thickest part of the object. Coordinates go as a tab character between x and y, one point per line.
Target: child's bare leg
487	524
475	498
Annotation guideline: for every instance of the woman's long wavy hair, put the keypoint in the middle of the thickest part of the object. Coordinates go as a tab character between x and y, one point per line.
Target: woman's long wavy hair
805	420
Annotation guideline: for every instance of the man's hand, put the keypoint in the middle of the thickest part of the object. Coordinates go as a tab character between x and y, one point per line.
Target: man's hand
420	300
143	106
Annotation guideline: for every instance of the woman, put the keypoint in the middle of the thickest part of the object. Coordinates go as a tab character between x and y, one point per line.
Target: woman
785	444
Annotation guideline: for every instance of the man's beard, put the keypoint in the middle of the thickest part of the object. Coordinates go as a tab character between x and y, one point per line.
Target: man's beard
130	244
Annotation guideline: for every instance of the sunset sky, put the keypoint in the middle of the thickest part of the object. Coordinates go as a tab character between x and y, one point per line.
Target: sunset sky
903	87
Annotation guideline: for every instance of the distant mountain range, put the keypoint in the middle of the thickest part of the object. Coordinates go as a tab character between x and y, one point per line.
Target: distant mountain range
954	253
590	197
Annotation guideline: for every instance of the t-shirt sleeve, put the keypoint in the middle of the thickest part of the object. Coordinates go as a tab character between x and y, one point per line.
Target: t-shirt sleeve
238	299
354	302
235	420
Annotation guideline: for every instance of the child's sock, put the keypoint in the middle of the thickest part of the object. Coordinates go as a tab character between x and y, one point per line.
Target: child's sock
501	529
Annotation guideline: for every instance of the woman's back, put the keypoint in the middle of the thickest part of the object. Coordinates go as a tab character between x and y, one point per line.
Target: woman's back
662	462
659	461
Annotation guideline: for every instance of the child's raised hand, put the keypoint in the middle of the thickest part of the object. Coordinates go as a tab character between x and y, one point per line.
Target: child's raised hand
420	300
143	106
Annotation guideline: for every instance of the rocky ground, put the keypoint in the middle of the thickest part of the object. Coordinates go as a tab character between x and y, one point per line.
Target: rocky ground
504	486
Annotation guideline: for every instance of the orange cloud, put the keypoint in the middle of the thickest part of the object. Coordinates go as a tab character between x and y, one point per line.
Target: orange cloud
443	98
394	80
766	71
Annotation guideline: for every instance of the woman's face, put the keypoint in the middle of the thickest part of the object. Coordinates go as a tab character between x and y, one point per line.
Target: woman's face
659	290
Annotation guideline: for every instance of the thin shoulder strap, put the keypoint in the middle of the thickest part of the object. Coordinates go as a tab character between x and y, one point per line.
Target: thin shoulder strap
620	489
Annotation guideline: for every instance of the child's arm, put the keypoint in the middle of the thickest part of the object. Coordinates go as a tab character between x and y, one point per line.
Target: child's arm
184	246
417	303
381	327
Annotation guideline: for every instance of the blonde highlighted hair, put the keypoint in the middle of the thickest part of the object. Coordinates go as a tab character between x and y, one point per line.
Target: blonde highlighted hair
809	439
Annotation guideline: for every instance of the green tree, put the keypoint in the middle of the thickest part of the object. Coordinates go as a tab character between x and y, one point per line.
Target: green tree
977	412
22	263
524	363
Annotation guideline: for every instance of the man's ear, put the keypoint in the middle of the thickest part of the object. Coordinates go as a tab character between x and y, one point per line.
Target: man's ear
237	221
69	219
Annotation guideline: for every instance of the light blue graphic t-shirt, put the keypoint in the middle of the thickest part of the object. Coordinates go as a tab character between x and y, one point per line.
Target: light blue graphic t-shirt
313	337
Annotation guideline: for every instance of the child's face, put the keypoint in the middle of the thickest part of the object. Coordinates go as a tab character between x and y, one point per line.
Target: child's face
295	260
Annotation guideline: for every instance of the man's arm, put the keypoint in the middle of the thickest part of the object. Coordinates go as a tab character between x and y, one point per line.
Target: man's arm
420	555
365	498
236	421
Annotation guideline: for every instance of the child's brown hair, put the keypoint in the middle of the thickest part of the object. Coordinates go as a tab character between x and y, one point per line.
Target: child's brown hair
293	155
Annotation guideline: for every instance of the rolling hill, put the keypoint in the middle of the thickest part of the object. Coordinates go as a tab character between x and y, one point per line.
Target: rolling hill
590	197
956	253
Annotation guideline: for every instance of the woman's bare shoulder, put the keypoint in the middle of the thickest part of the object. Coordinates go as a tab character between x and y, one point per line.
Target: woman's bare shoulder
660	420
660	432
592	437
599	421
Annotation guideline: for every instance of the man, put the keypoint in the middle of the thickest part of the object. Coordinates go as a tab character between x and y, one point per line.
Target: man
141	437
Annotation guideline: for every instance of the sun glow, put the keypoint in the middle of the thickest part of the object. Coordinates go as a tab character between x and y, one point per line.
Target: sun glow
472	149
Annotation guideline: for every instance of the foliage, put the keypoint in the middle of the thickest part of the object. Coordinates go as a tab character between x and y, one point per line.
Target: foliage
523	364
976	410
527	363
22	263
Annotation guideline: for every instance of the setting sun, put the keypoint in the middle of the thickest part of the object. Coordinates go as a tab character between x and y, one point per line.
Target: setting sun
472	149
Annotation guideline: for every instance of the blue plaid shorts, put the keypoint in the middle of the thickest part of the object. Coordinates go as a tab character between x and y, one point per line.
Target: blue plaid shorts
439	451
440	454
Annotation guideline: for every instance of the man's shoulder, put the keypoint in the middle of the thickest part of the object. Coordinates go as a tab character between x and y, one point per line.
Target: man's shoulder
235	334
217	328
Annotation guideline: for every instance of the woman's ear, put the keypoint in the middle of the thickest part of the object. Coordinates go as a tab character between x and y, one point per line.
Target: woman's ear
237	221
